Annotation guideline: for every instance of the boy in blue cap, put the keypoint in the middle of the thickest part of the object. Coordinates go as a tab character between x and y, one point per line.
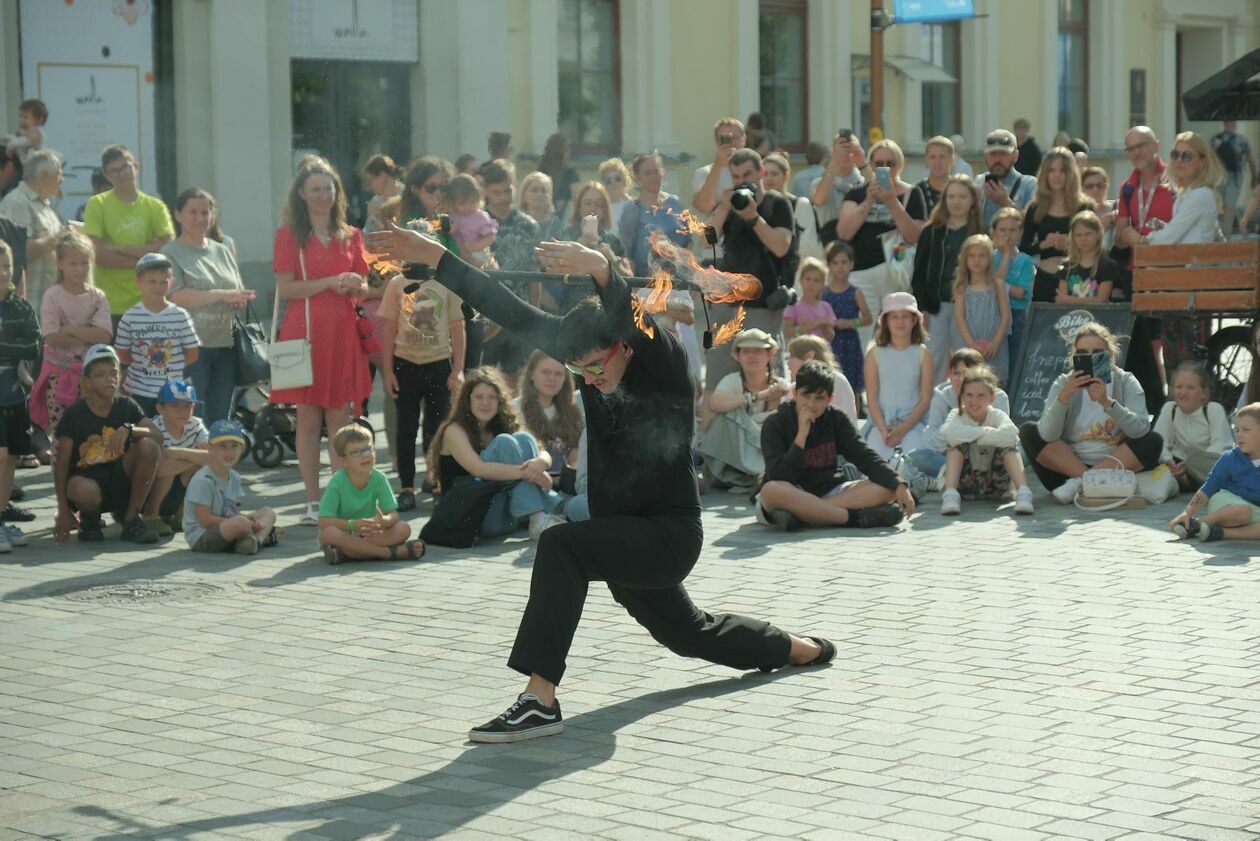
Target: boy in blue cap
213	520
184	442
155	338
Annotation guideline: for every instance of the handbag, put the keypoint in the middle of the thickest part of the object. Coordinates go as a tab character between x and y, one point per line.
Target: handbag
459	512
249	346
291	359
1104	488
918	481
898	257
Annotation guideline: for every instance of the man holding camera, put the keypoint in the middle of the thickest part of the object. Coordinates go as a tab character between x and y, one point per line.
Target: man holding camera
756	234
1003	185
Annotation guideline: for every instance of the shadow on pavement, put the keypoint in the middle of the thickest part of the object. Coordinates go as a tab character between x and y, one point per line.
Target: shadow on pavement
425	807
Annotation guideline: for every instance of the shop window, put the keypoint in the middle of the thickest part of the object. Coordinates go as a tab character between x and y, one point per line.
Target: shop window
590	75
784	73
1074	68
942	104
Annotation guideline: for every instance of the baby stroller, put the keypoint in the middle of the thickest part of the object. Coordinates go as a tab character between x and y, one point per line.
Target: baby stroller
273	427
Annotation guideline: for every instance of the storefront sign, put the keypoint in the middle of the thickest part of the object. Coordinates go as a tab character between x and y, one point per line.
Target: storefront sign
927	11
358	30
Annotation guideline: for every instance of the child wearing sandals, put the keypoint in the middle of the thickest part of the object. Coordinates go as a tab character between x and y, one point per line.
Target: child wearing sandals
213	521
1195	430
983	458
1231	491
358	515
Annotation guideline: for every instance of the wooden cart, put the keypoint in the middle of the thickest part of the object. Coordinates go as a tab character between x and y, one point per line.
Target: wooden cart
1216	281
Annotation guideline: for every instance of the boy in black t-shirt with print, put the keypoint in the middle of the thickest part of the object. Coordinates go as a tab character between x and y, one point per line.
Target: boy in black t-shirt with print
107	455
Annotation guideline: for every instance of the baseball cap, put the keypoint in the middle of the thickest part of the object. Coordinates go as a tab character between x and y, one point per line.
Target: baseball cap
226	430
1000	140
152	260
98	352
177	391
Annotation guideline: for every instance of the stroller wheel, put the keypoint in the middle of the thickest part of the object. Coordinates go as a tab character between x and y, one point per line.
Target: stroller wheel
268	452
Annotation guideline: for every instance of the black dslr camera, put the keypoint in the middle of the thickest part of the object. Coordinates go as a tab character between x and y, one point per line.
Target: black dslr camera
744	195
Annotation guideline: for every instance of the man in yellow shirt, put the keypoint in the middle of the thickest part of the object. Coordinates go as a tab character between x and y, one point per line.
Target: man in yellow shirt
124	225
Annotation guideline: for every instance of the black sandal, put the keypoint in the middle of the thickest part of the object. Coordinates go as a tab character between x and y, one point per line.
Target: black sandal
333	555
406	500
406	551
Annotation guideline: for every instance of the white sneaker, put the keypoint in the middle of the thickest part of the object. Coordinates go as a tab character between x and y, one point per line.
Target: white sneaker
1023	500
542	522
1065	493
15	535
310	517
951	502
5	545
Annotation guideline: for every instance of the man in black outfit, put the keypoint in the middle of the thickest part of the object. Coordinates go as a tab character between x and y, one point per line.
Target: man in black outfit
644	535
1029	161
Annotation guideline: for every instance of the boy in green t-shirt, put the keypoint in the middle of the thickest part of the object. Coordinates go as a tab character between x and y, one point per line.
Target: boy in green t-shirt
124	224
358	515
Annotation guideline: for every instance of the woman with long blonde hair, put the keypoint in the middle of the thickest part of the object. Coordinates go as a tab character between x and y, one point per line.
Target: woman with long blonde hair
1058	198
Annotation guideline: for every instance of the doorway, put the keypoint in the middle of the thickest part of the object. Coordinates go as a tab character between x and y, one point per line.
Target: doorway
347	112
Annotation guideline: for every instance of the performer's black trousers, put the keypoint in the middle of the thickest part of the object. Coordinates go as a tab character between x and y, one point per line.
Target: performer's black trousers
644	561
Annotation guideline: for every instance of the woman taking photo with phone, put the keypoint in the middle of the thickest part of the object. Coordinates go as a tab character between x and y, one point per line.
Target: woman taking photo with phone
1094	415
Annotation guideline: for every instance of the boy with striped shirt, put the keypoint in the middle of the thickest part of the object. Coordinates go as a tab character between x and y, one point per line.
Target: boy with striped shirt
155	338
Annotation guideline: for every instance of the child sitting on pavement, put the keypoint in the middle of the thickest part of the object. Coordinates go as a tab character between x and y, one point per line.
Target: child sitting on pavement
1195	430
801	441
213	520
983	458
1231	491
107	456
930	458
184	443
358	515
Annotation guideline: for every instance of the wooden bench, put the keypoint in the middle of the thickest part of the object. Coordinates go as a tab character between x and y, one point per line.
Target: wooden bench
1208	278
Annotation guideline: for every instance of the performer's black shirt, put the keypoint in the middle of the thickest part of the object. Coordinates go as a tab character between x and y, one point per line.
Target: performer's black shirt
639	437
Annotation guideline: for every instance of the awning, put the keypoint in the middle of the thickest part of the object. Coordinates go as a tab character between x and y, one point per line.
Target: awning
1231	94
915	69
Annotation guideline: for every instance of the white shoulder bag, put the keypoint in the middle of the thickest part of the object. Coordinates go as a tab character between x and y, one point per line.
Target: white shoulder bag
291	359
1105	488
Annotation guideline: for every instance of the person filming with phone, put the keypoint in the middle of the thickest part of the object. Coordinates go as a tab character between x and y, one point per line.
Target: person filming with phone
1094	415
712	180
1003	185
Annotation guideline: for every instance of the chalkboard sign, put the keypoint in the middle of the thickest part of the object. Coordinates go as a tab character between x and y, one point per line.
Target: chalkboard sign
1044	356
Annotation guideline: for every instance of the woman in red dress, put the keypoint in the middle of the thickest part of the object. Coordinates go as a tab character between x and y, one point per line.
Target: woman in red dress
316	234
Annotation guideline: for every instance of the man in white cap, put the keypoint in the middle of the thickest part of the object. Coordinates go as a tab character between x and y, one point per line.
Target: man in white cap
1003	185
107	456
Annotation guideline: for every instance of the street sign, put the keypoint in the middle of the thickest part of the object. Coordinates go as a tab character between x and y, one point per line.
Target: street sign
930	11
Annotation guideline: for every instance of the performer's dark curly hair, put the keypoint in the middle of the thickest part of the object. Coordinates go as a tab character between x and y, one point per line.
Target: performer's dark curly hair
588	326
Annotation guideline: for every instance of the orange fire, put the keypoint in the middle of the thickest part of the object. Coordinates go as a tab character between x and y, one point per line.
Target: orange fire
384	266
640	320
717	286
730	329
689	224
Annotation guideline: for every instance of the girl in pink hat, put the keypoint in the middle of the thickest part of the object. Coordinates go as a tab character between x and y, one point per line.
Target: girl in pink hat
898	378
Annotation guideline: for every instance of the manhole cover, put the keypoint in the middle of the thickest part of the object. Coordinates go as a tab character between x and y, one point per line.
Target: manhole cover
141	590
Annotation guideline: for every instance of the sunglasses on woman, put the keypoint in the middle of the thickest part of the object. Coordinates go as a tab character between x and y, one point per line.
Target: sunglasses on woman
595	369
1184	155
613	179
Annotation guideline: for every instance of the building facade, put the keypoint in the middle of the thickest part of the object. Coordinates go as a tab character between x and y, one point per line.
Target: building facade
227	94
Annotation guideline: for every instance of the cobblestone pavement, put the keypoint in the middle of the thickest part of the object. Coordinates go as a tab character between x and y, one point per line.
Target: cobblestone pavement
1060	676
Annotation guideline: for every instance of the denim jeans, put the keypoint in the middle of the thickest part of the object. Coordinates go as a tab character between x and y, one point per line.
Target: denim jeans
214	377
523	498
929	462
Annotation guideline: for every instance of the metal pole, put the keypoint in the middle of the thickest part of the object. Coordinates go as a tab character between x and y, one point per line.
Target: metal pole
877	71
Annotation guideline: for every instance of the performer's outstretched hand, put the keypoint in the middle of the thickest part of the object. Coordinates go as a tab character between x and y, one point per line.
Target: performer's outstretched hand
572	258
403	244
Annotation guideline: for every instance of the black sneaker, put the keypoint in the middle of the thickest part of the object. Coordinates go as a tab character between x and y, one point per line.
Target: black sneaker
877	517
138	531
407	500
90	528
17	494
13	514
1188	530
527	718
785	520
1211	532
